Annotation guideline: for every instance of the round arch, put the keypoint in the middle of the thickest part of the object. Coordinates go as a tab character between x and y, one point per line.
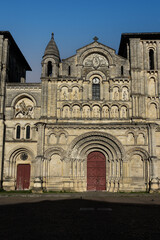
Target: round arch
12	155
98	50
21	96
54	150
81	145
92	74
139	151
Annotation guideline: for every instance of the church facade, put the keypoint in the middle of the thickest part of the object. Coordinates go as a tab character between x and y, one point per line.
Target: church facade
91	124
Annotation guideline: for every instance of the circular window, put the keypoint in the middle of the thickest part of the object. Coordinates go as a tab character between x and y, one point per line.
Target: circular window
24	156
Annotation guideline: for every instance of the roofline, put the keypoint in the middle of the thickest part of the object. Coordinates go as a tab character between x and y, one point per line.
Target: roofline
97	42
142	35
8	35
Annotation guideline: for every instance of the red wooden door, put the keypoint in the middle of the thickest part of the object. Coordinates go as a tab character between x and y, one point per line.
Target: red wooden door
96	171
23	176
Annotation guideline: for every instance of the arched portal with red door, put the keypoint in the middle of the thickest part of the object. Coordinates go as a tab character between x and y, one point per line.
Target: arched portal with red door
97	161
96	171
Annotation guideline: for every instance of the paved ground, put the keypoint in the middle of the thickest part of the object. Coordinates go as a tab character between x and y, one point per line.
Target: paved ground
80	216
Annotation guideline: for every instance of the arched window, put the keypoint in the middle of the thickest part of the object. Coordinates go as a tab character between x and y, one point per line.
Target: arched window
69	70
49	69
28	132
122	70
18	132
96	89
151	59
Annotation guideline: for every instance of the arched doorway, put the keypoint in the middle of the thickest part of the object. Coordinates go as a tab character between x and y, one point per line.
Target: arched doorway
96	171
23	176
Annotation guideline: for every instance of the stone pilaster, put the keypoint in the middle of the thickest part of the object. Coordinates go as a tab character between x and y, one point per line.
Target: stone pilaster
154	181
40	157
2	129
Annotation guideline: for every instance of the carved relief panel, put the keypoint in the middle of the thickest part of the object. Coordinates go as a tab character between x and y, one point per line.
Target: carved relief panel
105	112
96	112
86	112
64	93
75	93
24	108
115	93
125	94
95	60
76	111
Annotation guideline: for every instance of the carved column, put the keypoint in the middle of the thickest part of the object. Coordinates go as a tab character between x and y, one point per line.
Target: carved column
154	184
40	157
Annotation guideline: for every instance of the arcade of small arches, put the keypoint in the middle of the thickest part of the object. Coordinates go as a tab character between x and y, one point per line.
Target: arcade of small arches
75	92
94	111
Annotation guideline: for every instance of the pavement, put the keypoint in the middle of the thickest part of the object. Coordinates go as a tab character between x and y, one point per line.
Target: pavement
88	215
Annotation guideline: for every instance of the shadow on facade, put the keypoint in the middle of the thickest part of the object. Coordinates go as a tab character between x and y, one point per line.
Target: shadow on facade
79	219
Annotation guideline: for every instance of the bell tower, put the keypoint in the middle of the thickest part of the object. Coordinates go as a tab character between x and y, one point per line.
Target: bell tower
49	76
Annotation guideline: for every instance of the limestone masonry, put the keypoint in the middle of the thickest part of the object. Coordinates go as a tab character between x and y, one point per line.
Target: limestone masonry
92	124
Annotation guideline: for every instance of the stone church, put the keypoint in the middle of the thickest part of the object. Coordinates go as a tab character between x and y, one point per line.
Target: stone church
91	124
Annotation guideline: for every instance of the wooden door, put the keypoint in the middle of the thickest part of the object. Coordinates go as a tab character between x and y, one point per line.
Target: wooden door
23	176
96	171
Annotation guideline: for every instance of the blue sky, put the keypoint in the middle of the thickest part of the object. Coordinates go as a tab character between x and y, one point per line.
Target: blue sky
74	24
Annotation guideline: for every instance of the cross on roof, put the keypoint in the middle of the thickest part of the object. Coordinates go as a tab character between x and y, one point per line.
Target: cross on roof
52	35
95	39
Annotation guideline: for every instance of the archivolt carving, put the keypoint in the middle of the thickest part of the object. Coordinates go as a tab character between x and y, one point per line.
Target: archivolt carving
95	73
64	85
88	141
76	85
99	51
12	155
49	59
54	150
139	151
21	96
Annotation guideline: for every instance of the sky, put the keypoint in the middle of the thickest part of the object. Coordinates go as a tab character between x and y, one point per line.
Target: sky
74	24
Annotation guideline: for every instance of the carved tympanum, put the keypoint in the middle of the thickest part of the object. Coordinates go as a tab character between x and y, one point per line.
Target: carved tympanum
24	108
95	60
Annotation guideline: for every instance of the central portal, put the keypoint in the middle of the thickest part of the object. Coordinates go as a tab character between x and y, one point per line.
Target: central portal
96	171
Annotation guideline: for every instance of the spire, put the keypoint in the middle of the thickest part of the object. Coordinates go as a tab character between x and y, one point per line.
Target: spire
52	48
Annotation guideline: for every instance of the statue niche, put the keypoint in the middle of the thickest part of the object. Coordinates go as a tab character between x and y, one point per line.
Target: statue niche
24	108
115	93
86	112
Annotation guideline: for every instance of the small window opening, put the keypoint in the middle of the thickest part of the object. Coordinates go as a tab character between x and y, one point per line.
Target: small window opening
151	59
96	89
122	70
69	70
49	70
28	132
18	132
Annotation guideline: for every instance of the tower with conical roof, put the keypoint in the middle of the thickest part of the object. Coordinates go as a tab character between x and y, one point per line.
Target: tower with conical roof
49	77
51	59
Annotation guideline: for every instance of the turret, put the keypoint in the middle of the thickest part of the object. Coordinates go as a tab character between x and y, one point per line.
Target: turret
51	59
